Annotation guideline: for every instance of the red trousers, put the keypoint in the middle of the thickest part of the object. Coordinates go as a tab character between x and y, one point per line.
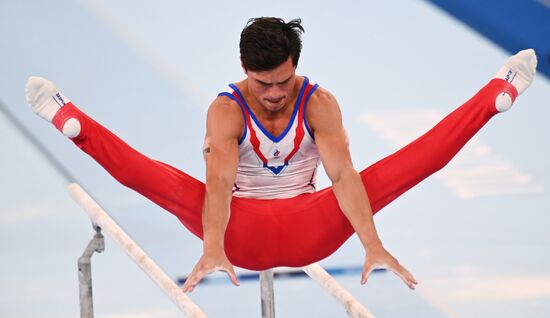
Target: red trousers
265	233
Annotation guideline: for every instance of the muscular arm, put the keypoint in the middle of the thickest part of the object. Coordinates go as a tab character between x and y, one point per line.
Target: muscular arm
224	125
325	119
221	153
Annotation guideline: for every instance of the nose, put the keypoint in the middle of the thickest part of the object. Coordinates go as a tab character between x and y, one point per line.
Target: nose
275	92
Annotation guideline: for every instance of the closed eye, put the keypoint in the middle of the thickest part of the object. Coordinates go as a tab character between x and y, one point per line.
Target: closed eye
270	84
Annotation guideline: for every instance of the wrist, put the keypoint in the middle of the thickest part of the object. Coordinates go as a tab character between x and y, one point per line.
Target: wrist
209	250
211	245
373	245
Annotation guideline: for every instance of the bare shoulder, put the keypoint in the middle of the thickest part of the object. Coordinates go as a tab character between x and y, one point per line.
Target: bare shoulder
225	117
323	110
226	106
322	98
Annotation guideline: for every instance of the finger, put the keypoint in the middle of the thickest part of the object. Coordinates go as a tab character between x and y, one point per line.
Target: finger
191	286
364	278
411	281
231	272
188	286
187	283
192	281
405	276
366	274
188	289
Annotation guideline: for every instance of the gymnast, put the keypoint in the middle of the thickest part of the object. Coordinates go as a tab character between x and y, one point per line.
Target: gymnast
265	138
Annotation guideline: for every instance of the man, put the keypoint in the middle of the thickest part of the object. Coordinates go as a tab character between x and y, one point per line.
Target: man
271	90
263	143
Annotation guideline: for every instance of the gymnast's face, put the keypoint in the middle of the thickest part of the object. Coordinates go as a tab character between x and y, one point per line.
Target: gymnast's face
273	89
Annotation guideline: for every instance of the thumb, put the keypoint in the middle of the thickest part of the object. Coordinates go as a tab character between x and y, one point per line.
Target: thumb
366	274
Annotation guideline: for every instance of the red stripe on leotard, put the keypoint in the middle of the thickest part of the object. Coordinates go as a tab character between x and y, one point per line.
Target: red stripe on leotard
300	126
253	138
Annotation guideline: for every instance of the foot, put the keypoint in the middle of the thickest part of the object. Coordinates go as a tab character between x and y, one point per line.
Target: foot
46	100
519	71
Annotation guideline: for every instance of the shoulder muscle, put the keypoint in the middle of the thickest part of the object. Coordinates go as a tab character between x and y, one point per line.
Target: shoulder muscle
224	119
323	113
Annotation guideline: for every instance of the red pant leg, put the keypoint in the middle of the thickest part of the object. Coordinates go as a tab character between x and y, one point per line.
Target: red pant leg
173	190
392	176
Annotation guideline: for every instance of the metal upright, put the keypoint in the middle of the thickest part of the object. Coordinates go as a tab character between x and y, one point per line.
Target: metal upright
268	296
138	255
97	244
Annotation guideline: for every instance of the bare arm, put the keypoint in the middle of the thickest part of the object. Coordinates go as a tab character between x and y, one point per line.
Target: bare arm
325	119
224	125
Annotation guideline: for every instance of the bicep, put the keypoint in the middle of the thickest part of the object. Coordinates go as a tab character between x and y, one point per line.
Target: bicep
334	151
331	137
221	150
221	157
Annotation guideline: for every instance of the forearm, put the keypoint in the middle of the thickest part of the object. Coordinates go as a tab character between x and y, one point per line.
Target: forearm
353	200
215	215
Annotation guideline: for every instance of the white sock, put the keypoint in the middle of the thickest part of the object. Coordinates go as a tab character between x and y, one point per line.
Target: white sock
45	100
519	71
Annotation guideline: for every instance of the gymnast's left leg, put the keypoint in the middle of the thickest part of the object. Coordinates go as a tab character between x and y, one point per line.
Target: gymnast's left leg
395	174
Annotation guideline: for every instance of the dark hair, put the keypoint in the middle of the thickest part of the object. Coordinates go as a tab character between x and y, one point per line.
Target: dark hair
268	42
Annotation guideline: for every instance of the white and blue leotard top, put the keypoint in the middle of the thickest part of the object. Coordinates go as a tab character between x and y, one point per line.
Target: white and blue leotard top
273	167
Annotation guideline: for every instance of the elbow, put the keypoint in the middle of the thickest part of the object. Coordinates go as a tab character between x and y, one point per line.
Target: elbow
218	185
342	179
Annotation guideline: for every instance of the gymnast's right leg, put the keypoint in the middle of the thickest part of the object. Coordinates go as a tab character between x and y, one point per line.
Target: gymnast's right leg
173	190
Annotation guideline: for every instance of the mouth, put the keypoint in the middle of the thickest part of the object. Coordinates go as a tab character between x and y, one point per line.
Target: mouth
274	102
